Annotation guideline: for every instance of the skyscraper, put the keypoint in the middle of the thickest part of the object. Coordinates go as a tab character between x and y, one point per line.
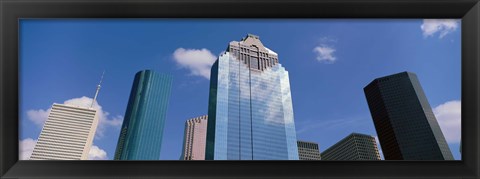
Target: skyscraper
405	124
250	106
308	150
353	147
142	129
67	134
195	138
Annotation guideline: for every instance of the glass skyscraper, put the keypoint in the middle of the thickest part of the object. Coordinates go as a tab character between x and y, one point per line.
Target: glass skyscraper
142	129
404	121
250	106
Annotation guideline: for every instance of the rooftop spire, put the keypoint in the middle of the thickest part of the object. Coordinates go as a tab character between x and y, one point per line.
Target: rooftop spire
98	89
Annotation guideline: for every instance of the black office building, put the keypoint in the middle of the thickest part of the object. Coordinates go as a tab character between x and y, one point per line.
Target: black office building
308	150
404	121
353	147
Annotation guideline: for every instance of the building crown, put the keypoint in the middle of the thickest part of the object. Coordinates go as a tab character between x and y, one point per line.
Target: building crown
251	51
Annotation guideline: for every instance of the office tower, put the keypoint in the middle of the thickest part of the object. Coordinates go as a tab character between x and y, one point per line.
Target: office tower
353	147
308	150
405	124
250	106
195	138
68	132
142	129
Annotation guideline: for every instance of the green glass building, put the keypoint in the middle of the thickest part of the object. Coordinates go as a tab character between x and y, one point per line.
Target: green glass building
142	129
404	121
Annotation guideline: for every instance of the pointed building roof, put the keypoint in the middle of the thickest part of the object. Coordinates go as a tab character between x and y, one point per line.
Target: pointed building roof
254	40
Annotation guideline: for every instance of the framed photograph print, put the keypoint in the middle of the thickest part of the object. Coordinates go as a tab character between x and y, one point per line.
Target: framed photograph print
239	89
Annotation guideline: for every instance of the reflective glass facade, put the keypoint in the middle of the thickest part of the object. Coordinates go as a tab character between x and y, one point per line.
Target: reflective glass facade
404	121
250	107
142	130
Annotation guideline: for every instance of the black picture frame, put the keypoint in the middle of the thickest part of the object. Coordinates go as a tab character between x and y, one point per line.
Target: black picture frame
12	10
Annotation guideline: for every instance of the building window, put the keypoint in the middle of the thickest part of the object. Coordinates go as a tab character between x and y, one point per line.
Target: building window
254	63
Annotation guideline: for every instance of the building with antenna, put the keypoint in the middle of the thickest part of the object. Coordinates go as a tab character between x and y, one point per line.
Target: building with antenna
142	129
98	90
68	132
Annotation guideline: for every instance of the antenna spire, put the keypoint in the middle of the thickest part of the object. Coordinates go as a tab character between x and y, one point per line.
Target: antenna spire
98	89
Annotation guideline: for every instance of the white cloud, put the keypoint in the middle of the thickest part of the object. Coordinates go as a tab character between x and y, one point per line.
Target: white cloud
325	50
325	54
116	121
97	153
25	148
449	118
40	116
198	61
443	26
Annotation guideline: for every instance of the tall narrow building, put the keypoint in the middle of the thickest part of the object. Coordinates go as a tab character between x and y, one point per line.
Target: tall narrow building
68	132
142	129
404	121
353	147
308	150
195	138
250	106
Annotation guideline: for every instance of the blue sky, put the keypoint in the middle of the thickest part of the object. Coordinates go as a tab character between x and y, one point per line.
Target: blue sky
329	62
